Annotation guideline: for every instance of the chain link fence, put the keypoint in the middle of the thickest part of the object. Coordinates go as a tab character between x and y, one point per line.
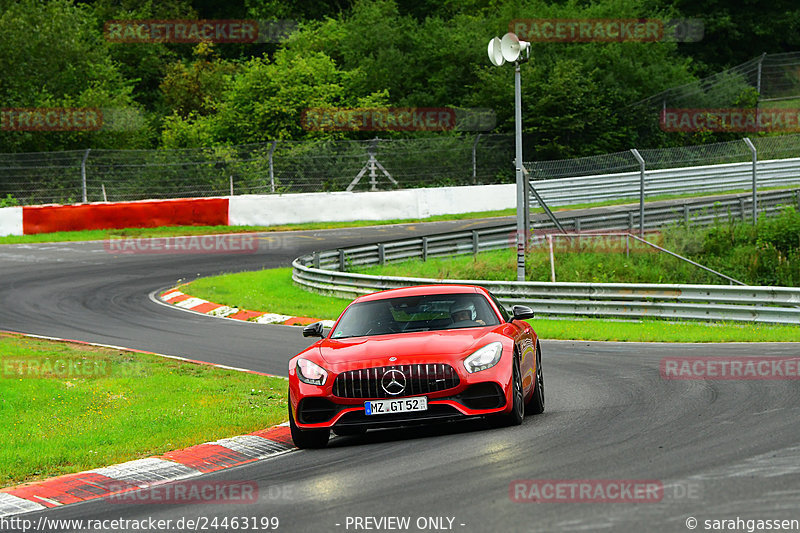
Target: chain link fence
770	77
734	166
383	164
265	168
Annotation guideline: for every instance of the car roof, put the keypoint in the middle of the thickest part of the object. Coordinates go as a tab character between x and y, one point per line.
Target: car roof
421	290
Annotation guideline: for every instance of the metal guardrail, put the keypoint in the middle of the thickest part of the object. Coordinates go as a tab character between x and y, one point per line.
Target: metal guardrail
698	211
708	178
324	271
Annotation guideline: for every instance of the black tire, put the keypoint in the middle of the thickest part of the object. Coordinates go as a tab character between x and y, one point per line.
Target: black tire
349	431
535	405
308	438
517	414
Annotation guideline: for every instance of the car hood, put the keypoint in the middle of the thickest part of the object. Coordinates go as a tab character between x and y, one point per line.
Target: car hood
422	346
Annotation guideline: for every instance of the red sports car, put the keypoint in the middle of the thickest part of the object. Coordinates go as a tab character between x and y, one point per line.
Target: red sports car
415	355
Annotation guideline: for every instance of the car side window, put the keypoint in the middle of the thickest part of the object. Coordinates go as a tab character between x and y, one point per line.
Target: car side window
503	311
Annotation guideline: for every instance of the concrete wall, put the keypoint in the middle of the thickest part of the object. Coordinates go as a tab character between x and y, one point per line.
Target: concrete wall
260	210
10	221
269	210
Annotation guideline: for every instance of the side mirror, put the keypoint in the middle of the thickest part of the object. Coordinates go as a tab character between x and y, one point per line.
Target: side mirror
521	312
313	330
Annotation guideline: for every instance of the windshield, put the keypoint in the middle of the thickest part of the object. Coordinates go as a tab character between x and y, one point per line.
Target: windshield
415	313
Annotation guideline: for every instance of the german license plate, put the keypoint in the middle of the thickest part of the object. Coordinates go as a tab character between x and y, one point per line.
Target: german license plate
399	405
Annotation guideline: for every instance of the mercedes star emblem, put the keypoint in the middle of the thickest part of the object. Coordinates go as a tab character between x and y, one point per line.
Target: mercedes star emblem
393	382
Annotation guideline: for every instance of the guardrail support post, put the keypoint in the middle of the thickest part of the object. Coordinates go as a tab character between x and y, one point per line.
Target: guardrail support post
627	245
577	225
341	260
316	259
630	221
552	258
381	254
755	178
424	249
686	215
640	159
741	208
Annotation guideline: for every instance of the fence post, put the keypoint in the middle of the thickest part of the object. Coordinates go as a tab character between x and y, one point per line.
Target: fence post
231	178
640	159
381	254
341	260
424	249
271	168
83	174
475	242
475	160
755	176
552	258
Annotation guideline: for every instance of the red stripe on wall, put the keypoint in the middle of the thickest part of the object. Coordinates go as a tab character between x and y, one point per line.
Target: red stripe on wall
118	215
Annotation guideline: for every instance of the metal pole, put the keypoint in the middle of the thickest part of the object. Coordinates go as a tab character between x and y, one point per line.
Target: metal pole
231	185
640	159
755	178
521	190
83	174
475	160
552	258
758	80
271	169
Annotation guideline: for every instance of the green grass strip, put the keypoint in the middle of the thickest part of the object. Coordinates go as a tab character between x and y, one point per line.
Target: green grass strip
273	290
67	407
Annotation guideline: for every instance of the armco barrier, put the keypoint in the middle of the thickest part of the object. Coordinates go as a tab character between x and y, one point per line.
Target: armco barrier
324	272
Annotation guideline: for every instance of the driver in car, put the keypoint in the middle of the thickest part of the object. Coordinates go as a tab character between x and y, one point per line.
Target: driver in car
462	315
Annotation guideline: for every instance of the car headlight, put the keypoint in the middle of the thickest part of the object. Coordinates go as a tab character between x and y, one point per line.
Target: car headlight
484	358
311	373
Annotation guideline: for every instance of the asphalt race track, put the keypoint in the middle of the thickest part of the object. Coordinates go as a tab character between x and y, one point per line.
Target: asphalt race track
721	449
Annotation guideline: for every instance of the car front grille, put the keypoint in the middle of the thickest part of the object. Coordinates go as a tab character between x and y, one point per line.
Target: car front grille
419	379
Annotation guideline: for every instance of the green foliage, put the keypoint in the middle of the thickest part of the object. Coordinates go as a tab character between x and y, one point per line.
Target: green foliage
52	55
8	201
346	53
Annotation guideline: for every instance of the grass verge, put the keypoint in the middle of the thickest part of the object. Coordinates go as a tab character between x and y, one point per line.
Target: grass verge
67	407
273	290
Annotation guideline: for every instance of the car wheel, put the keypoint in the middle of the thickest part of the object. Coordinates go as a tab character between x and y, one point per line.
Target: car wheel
349	431
535	405
517	414
308	438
